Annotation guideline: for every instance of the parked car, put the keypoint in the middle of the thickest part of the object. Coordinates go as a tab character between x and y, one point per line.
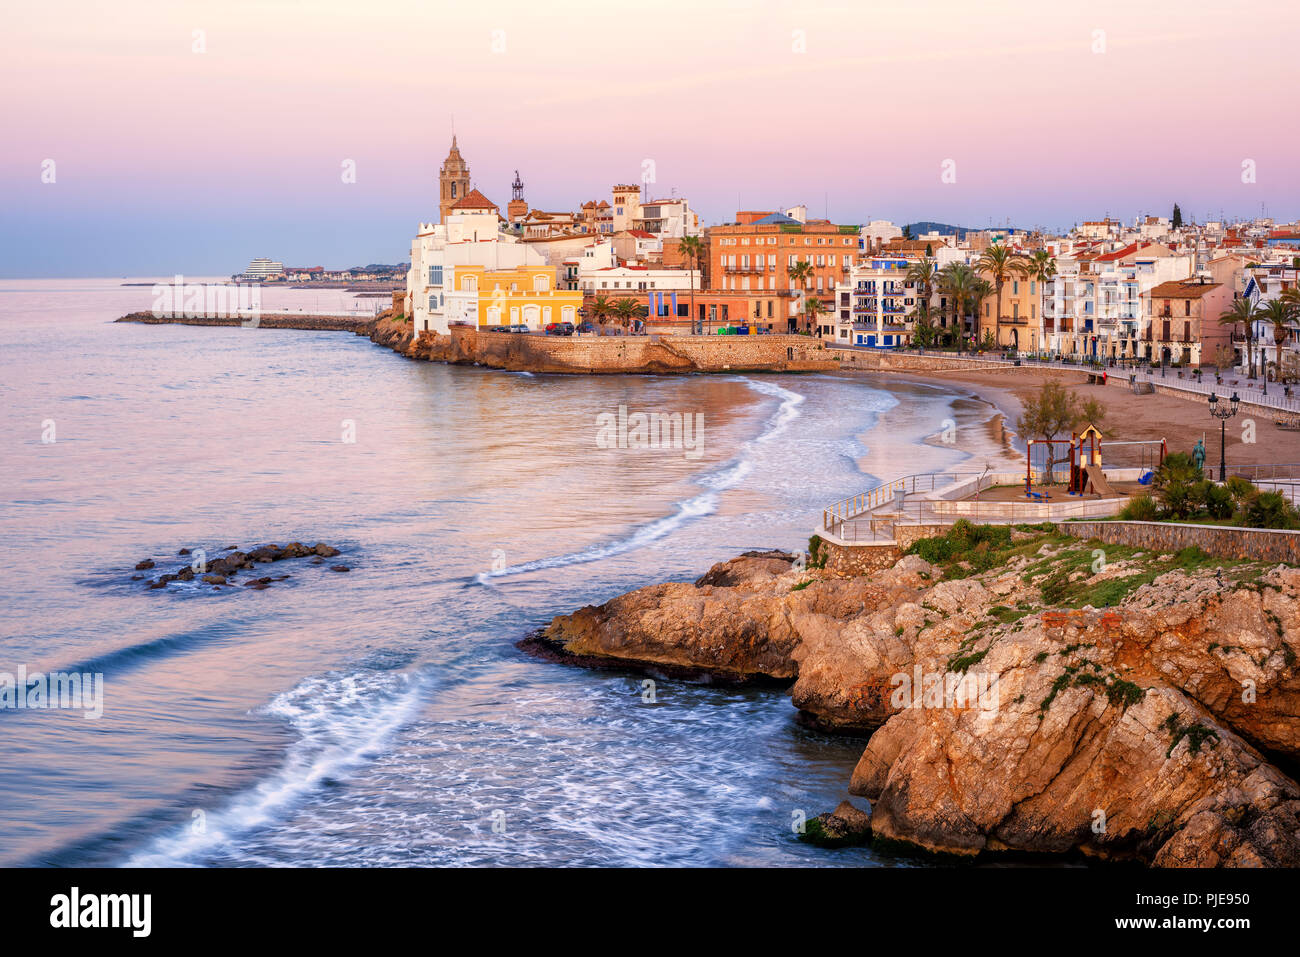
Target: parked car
559	328
498	329
587	327
517	327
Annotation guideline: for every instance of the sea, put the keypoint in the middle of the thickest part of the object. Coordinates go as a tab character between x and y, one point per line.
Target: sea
383	716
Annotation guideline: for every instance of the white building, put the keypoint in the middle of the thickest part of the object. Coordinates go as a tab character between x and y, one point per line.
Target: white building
470	237
1093	305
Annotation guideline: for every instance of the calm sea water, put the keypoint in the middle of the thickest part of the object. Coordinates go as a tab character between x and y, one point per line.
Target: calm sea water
384	716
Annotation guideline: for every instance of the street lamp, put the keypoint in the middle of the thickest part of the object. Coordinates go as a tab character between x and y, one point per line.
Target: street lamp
1223	414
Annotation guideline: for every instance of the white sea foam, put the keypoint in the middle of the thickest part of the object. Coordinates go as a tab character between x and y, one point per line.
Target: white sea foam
706	503
342	721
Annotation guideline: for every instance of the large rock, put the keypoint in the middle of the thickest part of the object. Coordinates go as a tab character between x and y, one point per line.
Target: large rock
1148	730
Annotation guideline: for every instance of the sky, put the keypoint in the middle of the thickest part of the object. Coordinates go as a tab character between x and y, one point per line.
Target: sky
153	137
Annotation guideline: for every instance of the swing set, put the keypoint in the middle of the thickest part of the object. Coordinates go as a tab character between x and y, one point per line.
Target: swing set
1082	452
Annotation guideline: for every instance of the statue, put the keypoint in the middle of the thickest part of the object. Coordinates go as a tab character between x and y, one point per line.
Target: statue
1198	453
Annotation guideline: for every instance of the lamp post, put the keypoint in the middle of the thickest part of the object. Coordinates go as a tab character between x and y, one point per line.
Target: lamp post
1223	414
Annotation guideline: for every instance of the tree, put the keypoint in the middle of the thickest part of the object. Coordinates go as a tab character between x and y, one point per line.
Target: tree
799	274
1243	311
692	248
955	281
812	309
924	334
625	310
981	289
922	273
907	231
600	310
1177	217
1000	264
1056	410
1280	313
1042	269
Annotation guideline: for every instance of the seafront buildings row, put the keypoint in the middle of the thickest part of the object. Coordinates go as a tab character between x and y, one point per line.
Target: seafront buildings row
1153	290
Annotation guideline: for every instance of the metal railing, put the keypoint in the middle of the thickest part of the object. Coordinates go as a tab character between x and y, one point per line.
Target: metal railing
880	495
880	526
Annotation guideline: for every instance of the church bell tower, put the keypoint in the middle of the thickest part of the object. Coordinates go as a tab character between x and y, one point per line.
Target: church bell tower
453	181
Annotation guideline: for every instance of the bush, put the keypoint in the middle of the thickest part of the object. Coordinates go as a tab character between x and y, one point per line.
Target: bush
1173	483
1240	489
1269	510
1140	509
1217	500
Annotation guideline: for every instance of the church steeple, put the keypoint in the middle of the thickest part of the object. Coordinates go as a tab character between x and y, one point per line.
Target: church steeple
453	181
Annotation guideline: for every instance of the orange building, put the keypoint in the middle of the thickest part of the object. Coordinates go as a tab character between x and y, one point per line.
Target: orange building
749	265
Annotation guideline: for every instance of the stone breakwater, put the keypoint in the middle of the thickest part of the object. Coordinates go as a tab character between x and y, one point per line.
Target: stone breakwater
1155	729
590	355
318	323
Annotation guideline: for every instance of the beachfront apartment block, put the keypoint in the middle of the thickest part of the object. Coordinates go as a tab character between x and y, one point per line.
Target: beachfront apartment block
873	307
1093	306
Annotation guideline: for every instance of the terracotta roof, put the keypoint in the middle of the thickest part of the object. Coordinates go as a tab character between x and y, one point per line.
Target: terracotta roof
1183	289
474	200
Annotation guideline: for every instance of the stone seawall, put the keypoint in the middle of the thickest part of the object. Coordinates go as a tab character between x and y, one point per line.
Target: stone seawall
1256	544
607	354
314	323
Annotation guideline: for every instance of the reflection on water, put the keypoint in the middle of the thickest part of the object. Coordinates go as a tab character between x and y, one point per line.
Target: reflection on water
383	716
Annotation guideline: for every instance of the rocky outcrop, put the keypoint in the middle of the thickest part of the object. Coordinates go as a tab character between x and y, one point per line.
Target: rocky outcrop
221	572
1156	729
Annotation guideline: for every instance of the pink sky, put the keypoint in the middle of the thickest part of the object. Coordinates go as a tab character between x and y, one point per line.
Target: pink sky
151	138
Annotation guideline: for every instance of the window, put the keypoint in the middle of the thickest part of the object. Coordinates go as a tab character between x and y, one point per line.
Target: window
1187	307
469	284
433	303
435	275
541	283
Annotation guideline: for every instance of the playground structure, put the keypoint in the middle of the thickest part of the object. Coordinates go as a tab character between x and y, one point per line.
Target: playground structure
1082	452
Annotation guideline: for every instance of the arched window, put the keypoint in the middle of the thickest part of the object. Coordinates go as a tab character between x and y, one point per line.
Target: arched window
453	190
469	284
541	283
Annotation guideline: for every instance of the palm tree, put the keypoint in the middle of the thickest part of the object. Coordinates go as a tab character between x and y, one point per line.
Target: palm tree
1245	312
1000	263
955	281
625	310
812	309
922	273
692	248
600	310
1281	313
799	274
980	289
1042	269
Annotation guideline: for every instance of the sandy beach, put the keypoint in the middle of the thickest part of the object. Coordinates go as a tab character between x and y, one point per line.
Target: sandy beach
1134	417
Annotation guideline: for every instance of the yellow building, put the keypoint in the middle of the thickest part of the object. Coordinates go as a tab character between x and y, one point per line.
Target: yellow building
522	294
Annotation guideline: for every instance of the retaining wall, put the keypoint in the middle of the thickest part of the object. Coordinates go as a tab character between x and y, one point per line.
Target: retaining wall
1258	544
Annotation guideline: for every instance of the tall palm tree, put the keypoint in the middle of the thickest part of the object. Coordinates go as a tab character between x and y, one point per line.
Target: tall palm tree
1000	264
1281	313
692	248
922	273
1042	269
799	274
955	281
600	310
1243	311
980	289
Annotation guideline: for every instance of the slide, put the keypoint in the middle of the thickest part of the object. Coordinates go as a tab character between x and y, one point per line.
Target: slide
1097	482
